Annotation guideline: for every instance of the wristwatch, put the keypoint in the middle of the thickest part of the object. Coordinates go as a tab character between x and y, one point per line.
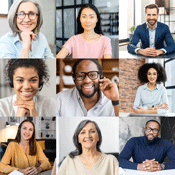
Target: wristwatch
114	103
162	165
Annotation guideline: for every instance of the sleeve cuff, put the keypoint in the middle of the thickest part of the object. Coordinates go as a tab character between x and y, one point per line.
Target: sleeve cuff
136	50
164	51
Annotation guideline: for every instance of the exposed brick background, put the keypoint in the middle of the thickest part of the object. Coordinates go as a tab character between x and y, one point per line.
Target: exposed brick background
128	82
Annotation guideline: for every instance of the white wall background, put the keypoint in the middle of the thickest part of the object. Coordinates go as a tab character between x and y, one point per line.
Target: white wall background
48	27
109	127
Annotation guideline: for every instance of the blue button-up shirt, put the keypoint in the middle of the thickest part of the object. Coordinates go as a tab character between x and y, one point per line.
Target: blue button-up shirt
147	98
11	47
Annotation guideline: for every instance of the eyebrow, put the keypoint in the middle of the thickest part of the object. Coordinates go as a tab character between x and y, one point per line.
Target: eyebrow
89	14
23	77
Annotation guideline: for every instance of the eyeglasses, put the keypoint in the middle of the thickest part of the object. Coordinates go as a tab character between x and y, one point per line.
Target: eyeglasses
80	76
148	129
22	15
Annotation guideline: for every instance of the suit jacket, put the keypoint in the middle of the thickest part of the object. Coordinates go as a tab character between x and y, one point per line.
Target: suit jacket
162	34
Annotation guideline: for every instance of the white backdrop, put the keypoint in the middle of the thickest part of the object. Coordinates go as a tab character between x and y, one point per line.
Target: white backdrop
109	127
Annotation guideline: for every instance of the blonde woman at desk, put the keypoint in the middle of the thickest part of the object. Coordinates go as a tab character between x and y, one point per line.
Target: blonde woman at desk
151	98
88	159
89	42
24	154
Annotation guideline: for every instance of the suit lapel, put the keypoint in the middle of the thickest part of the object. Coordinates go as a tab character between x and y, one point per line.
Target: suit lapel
157	33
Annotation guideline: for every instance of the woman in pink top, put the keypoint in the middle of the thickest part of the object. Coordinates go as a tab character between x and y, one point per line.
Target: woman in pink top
89	41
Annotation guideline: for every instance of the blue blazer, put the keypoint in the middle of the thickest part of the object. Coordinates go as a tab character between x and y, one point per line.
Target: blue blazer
162	34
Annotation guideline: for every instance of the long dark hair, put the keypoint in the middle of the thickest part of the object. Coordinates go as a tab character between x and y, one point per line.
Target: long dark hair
97	28
32	141
78	146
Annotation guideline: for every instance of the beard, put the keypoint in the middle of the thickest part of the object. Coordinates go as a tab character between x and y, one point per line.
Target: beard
96	89
151	20
151	141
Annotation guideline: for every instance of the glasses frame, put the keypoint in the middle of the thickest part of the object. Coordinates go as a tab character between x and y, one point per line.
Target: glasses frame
154	131
87	74
27	15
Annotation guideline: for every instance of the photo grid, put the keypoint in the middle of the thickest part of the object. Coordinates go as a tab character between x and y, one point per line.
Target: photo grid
84	91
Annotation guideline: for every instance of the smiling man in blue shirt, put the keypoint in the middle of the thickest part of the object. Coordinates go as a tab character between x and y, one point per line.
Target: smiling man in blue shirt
148	152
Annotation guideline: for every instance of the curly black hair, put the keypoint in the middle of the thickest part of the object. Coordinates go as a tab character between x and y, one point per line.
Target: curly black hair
161	74
38	64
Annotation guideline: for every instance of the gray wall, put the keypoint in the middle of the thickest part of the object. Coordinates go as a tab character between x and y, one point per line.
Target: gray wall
132	127
48	28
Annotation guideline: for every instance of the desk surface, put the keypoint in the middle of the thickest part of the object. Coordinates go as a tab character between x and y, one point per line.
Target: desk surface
151	115
137	172
48	172
125	54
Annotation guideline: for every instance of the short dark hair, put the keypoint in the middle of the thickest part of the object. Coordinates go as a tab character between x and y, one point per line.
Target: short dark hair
152	6
97	28
38	64
153	121
161	74
81	125
32	141
93	60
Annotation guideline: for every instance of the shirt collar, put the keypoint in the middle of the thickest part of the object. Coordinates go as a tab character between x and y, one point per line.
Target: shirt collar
157	86
149	28
16	38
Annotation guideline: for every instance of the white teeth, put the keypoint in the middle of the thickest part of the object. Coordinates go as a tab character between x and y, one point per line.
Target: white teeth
87	86
26	92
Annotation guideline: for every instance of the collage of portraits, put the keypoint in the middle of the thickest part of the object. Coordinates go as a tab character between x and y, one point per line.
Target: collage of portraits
86	91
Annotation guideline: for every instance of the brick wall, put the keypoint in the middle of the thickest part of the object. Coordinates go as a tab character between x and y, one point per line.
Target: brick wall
128	82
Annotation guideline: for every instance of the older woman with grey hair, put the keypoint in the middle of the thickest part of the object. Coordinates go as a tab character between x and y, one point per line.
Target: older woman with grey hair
88	159
25	20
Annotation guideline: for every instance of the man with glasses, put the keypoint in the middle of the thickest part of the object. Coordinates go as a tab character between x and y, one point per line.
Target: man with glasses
93	95
148	152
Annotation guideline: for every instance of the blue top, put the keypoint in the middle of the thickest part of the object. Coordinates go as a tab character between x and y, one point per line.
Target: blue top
163	35
11	47
146	98
140	150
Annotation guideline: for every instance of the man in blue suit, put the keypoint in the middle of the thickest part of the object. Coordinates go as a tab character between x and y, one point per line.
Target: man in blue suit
152	35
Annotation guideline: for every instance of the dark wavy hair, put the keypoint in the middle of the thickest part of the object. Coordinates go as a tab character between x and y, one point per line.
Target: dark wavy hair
38	64
78	146
32	141
80	60
161	74
97	28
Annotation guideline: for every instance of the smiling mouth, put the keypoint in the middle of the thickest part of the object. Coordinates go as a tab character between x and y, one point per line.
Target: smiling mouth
27	94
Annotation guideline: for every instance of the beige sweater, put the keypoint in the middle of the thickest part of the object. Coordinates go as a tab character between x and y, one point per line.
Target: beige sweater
15	158
106	165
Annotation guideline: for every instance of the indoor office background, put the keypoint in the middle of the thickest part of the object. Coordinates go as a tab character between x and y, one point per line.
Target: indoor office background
67	12
108	126
45	129
48	89
64	79
134	15
129	83
48	27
